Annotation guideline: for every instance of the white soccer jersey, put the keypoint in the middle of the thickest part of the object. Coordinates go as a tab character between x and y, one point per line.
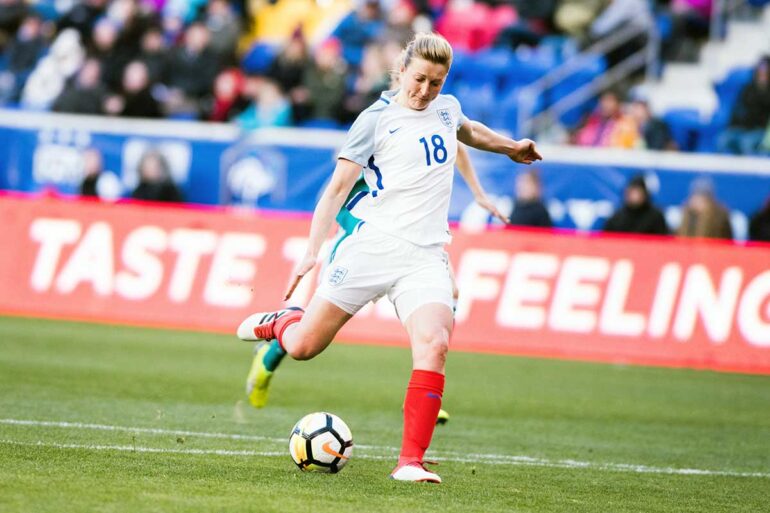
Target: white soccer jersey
408	158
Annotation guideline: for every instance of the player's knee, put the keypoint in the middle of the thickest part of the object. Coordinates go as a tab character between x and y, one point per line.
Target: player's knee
303	348
437	343
301	352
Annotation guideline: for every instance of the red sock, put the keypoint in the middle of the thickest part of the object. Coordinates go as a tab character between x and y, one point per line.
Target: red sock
284	322
421	406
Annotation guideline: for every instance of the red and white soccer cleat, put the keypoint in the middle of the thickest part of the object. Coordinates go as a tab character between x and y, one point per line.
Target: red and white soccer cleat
261	326
414	471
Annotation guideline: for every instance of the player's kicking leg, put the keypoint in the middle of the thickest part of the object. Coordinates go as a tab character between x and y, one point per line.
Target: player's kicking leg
268	353
429	328
292	331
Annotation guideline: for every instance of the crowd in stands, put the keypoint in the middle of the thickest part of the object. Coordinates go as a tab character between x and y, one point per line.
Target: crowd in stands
199	60
196	59
702	214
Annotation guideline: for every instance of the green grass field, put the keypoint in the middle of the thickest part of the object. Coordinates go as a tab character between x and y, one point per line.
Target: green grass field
103	418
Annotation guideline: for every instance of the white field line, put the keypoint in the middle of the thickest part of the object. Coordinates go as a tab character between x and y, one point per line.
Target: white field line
492	459
173	432
139	448
150	431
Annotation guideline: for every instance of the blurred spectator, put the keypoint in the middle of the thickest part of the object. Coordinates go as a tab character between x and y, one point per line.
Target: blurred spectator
325	81
399	23
371	80
574	17
528	208
750	116
759	226
12	13
22	53
270	106
359	28
98	183
82	17
608	126
47	80
136	100
538	16
112	57
225	29
617	15
84	94
154	53
132	24
655	133
288	70
535	21
228	96
191	72
173	27
764	146
703	215
185	10
155	183
638	214
470	26
690	21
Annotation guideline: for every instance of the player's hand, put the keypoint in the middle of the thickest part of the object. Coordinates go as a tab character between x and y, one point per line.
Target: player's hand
484	202
304	267
525	152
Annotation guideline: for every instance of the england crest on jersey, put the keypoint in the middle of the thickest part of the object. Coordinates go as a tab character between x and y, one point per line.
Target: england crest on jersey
445	117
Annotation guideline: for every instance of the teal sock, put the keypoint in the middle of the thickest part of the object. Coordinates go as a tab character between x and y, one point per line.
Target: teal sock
273	356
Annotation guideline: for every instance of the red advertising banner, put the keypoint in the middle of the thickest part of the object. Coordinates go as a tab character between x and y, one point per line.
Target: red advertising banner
656	301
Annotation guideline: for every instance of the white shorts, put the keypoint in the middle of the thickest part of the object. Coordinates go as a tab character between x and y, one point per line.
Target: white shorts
369	264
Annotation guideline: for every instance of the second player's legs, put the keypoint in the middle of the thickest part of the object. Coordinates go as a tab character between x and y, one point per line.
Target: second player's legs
309	337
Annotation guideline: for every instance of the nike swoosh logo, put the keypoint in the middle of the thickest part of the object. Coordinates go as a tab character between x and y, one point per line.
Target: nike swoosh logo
328	450
395	130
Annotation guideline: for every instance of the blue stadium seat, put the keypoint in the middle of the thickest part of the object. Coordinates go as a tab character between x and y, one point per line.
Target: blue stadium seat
665	23
728	90
478	101
506	114
46	9
479	69
686	127
557	47
526	68
259	58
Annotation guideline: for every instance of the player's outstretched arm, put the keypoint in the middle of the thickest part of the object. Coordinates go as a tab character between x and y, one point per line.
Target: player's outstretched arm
345	175
468	172
482	137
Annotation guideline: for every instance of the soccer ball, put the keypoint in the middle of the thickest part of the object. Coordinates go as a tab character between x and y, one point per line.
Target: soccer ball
321	442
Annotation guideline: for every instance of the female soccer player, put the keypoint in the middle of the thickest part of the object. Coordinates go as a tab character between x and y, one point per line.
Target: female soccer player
406	142
262	368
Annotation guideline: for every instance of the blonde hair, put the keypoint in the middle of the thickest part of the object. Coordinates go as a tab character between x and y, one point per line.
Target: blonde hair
428	46
425	45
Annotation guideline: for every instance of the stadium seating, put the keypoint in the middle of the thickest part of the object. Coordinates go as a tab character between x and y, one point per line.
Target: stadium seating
696	99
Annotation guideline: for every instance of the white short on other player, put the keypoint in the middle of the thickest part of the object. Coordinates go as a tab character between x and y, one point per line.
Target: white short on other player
369	262
321	442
